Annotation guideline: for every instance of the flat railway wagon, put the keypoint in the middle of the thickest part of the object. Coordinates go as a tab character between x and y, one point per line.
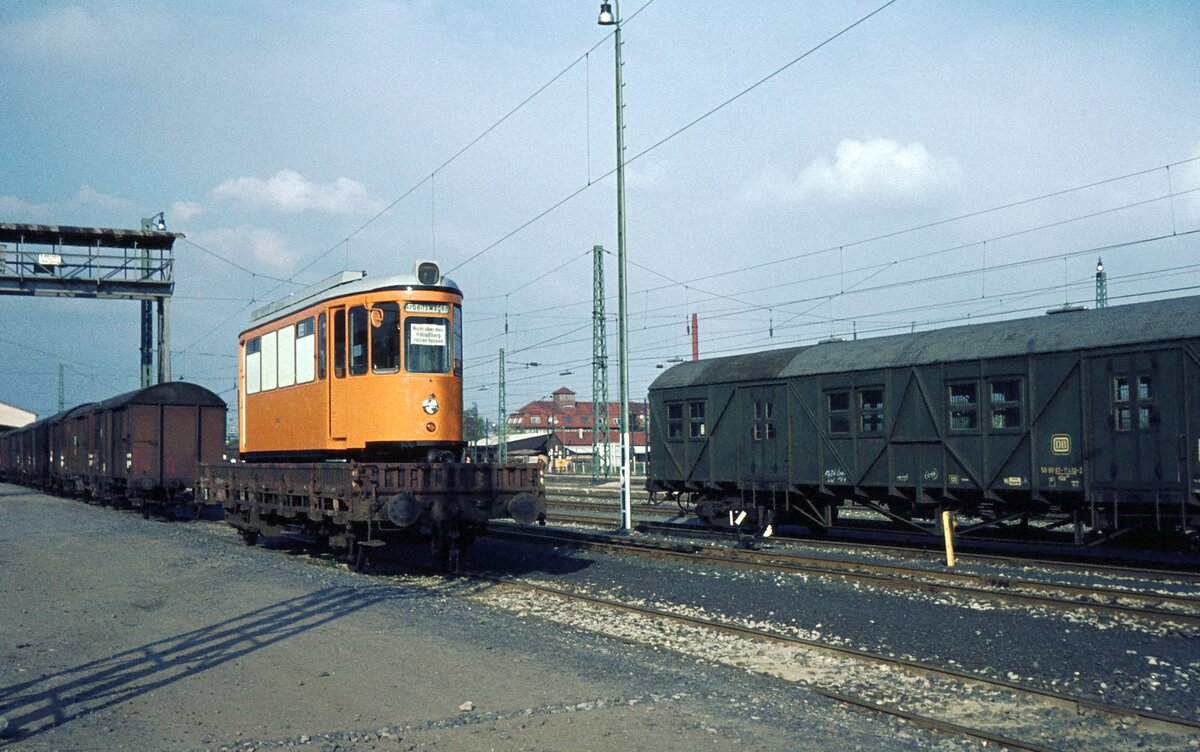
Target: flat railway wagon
350	422
1087	420
138	449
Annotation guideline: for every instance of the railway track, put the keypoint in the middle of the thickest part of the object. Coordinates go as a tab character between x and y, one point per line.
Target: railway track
660	519
1010	714
1120	602
867	679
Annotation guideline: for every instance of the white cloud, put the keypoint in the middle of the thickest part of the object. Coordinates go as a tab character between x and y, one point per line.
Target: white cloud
68	36
252	247
863	171
182	212
290	192
89	197
58	32
13	209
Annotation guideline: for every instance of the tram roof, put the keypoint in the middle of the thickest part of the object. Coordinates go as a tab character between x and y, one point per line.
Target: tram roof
339	285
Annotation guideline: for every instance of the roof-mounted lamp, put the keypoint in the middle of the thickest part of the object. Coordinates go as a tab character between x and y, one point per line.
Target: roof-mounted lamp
157	222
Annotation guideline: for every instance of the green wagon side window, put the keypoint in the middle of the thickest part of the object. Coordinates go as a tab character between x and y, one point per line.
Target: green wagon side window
838	407
964	406
870	416
1006	403
696	427
675	420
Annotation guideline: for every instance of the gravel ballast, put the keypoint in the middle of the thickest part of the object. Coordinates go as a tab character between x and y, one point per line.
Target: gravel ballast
124	633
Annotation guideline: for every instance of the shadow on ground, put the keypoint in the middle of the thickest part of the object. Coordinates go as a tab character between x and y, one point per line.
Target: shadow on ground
34	706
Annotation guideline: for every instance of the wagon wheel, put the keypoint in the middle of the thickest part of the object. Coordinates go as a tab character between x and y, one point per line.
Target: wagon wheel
359	559
321	538
447	550
686	502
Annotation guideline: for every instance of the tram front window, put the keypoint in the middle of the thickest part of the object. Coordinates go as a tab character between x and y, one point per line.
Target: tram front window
426	345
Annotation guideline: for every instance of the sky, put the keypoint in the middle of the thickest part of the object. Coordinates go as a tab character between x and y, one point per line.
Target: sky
794	170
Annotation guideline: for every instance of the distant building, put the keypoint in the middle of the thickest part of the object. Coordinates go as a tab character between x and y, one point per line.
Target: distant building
14	417
563	411
564	427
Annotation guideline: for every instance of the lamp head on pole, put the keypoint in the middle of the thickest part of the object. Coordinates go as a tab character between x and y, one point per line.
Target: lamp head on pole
606	15
1100	266
157	222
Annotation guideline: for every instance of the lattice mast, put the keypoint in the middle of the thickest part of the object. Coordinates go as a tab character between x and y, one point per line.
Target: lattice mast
601	446
501	419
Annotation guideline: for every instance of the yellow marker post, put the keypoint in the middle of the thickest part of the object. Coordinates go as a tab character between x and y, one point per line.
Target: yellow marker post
948	534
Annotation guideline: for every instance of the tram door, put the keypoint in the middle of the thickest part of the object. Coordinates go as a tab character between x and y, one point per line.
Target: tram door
339	405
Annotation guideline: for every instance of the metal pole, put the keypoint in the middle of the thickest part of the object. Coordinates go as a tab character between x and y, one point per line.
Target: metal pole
147	341
622	305
501	418
695	337
164	339
601	446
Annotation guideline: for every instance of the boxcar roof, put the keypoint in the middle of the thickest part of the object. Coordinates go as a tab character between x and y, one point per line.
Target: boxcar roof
167	393
1155	321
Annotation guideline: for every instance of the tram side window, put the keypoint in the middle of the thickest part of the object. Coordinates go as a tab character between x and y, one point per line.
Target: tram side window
426	347
838	404
287	355
385	338
339	343
253	365
305	350
359	331
322	352
458	341
270	362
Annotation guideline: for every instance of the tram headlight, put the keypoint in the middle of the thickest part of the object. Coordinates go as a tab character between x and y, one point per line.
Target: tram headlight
430	405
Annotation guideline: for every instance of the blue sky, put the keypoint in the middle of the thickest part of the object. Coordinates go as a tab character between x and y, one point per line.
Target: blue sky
270	132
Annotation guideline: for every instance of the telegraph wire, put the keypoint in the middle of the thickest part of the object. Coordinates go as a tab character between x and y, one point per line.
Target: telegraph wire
689	283
236	265
292	279
672	135
819	300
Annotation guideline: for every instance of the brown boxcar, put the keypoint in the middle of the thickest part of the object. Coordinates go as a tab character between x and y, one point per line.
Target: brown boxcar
145	445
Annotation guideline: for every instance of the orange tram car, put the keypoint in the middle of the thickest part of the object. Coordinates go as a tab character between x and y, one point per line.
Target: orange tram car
350	423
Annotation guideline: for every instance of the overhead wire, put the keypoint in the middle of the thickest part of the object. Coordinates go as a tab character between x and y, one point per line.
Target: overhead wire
672	135
873	270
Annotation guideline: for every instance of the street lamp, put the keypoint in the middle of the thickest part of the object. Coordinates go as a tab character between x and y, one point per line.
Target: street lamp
610	15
